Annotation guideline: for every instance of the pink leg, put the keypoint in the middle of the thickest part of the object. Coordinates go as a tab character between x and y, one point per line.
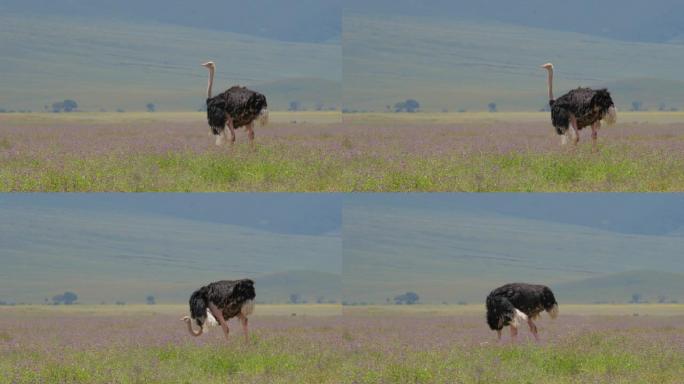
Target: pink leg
575	129
498	335
533	328
219	316
514	334
250	134
245	329
594	132
232	130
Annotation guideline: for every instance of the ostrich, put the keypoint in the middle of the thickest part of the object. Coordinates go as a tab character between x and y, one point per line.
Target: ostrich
237	107
221	300
513	304
579	108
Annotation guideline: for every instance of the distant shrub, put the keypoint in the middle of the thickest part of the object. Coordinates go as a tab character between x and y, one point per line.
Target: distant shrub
120	303
409	106
407	298
150	300
295	298
492	107
637	105
151	107
295	105
120	110
66	298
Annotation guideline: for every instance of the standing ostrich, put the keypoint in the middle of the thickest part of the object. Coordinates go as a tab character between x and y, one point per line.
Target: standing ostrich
513	304
237	107
221	300
579	108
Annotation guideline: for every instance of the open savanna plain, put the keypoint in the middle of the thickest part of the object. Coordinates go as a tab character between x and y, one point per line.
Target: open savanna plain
148	344
452	344
320	151
325	344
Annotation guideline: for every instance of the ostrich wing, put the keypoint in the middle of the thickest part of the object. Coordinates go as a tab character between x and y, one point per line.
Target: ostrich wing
243	105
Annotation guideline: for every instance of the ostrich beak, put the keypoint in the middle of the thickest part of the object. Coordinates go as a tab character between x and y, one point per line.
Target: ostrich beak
208	64
547	66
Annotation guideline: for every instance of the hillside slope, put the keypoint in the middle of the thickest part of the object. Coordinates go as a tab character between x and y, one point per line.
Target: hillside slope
108	256
460	256
114	64
457	65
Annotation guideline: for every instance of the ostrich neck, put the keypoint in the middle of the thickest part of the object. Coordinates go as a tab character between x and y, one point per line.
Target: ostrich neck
211	82
189	322
550	84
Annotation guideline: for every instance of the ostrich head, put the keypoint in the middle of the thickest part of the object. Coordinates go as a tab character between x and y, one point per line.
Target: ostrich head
209	65
548	66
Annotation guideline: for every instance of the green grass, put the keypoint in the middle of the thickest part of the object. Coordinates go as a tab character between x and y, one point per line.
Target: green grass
277	168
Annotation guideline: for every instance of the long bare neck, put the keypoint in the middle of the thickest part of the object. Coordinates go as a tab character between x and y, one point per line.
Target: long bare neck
192	332
211	82
550	83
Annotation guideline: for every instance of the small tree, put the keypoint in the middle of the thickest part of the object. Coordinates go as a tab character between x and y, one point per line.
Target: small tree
492	107
69	105
295	298
70	298
150	300
407	298
411	105
636	298
295	105
151	107
636	105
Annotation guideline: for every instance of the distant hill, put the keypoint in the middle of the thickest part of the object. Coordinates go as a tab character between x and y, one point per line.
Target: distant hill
308	285
262	212
619	288
653	21
456	255
109	64
301	20
109	256
456	64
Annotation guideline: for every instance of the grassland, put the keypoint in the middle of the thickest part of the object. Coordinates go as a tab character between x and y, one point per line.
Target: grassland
313	151
312	344
112	64
457	65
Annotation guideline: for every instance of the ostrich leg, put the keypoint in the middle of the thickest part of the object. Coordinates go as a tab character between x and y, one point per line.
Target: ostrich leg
244	321
229	124
575	129
594	132
514	334
533	328
219	316
250	131
498	335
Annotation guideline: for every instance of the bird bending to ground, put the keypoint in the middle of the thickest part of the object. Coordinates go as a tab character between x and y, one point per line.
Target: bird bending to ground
513	304
216	303
579	108
237	107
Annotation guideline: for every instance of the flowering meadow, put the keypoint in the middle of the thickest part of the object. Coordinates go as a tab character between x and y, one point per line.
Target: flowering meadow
309	152
297	344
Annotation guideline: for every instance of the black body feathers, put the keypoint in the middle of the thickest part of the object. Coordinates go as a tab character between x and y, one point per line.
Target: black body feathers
226	295
587	105
528	298
242	105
